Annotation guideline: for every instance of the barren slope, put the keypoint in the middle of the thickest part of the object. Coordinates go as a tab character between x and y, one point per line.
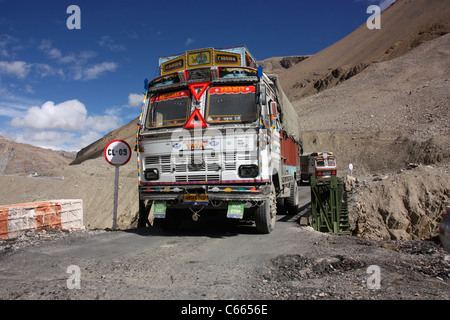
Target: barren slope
389	115
19	158
94	150
279	64
404	25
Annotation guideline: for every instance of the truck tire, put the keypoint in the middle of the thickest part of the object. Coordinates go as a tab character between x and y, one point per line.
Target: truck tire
292	201
143	214
266	214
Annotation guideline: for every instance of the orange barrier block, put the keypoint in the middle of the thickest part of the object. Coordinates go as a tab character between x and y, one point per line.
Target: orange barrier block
58	214
4	223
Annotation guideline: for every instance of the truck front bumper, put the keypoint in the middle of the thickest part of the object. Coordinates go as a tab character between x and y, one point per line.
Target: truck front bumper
176	194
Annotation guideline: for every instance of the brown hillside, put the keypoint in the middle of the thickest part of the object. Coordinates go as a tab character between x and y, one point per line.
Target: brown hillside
95	149
280	64
391	114
404	25
19	158
391	121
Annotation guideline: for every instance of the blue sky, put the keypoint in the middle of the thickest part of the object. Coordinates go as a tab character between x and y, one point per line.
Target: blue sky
64	88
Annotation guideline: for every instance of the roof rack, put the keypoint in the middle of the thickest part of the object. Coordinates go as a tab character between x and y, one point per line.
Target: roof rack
238	56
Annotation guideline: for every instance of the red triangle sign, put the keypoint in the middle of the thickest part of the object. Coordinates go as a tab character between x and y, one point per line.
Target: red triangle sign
201	85
195	120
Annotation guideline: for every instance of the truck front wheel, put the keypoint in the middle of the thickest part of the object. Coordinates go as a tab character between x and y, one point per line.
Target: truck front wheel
265	214
143	214
292	201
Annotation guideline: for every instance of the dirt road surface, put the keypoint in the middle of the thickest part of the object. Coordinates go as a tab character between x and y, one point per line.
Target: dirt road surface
216	259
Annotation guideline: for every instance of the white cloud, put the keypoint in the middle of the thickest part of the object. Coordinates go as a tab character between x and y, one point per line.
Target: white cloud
11	110
44	70
15	68
8	45
102	123
65	125
12	105
134	100
108	42
69	115
56	54
21	69
188	42
96	70
76	66
29	89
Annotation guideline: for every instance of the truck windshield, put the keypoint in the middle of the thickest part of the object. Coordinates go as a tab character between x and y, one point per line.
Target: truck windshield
168	109
231	104
320	163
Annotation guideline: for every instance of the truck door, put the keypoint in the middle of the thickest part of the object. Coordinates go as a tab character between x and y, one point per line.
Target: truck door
275	144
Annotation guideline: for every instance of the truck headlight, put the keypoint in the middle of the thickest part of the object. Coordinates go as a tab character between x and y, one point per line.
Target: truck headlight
248	171
151	174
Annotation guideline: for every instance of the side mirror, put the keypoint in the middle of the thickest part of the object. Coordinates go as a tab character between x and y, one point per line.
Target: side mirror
260	71
145	84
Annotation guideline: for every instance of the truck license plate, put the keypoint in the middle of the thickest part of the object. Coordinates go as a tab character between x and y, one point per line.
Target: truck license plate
159	209
235	210
196	199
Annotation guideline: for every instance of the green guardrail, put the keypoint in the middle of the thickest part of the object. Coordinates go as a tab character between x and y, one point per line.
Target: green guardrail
329	205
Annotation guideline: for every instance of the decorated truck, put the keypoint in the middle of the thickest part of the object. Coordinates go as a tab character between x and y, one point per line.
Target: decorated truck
216	135
325	165
319	164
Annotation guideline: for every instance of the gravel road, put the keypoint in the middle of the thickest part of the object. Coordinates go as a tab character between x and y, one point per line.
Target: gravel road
215	259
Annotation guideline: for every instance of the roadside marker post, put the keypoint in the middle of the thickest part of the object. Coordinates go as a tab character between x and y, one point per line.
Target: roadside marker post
117	153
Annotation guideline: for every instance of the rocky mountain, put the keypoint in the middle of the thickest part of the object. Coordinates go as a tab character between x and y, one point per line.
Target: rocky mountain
280	64
19	158
95	149
404	26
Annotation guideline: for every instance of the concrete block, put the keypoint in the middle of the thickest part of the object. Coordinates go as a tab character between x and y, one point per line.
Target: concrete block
58	214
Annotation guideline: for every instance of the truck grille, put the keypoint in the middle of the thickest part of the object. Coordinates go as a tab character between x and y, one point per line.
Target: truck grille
197	177
230	160
206	168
